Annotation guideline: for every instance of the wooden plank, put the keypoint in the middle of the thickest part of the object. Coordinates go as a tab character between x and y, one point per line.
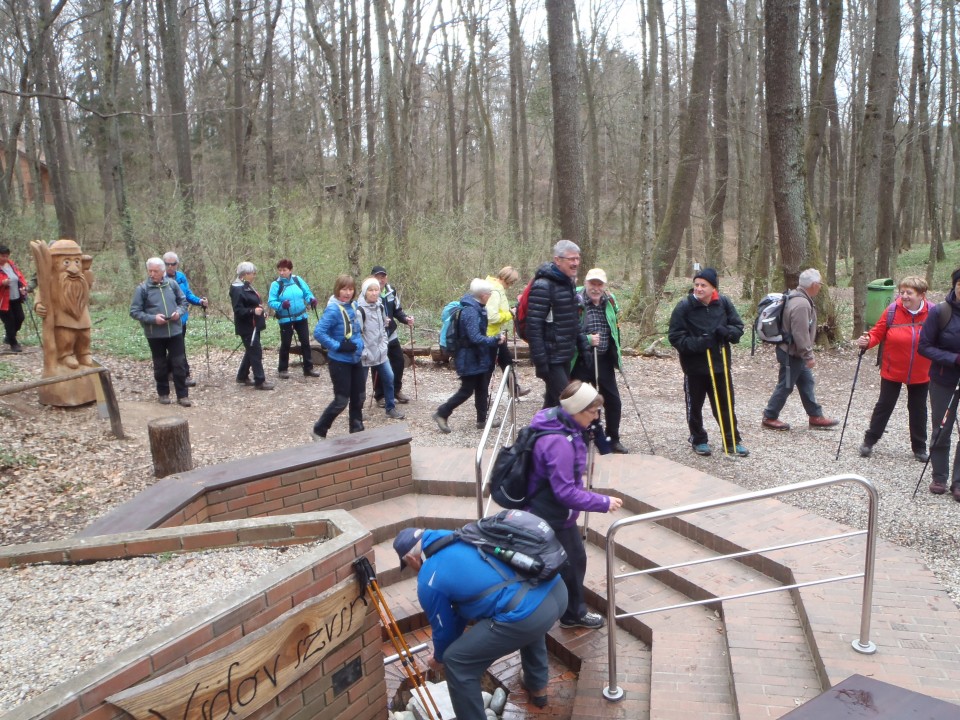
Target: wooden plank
241	678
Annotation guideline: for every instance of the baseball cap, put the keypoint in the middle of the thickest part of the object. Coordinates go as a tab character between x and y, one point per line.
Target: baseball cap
596	274
405	541
378	270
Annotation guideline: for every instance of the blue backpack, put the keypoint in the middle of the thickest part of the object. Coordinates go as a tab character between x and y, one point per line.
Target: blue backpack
450	327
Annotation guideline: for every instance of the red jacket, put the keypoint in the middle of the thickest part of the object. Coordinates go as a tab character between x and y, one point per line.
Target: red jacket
901	362
5	289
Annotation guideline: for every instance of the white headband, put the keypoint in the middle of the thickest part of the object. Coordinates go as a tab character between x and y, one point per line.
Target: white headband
579	401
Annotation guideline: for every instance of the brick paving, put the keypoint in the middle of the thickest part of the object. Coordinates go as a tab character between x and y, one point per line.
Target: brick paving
753	658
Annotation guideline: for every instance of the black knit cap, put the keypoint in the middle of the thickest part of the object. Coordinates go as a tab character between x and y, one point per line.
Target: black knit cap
710	275
955	277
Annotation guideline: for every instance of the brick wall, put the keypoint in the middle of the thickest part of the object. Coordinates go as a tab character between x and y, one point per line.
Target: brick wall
219	625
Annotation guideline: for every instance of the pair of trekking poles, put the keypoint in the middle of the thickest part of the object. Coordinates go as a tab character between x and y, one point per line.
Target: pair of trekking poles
418	684
729	446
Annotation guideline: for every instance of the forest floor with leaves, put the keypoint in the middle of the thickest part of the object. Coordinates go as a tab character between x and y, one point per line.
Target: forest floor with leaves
72	470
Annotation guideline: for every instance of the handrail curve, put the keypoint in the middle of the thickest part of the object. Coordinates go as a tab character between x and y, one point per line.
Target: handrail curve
506	393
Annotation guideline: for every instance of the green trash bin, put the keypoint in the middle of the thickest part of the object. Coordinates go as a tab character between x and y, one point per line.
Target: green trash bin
879	295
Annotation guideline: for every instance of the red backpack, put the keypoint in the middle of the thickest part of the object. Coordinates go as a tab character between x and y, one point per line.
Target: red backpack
520	319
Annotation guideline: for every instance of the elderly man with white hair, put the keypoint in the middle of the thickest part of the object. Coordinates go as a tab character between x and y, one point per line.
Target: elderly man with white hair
796	358
474	358
158	303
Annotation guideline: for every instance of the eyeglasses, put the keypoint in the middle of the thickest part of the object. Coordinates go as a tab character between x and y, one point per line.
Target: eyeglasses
573	258
171	264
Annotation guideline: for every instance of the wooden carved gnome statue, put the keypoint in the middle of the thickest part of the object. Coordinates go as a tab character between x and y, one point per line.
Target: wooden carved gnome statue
62	300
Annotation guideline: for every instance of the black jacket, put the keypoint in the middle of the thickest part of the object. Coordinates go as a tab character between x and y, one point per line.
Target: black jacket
553	317
693	332
245	301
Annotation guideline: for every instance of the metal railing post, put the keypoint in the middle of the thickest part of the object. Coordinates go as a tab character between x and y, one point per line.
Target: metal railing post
505	382
862	644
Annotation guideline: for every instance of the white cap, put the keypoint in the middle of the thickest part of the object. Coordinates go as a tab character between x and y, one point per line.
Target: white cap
596	274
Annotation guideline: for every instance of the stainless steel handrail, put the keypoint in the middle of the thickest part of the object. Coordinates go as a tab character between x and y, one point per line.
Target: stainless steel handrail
508	382
862	645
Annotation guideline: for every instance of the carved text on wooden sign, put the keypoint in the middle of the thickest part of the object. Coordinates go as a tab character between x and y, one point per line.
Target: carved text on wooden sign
239	679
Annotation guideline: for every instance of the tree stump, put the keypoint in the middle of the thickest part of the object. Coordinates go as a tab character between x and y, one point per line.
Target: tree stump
169	445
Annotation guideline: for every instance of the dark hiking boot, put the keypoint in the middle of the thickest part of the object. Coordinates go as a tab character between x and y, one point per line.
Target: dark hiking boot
774	424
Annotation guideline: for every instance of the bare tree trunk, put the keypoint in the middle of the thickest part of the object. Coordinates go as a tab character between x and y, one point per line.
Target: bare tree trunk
692	141
715	240
567	156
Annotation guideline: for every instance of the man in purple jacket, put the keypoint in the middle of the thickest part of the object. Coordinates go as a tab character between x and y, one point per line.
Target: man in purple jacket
556	489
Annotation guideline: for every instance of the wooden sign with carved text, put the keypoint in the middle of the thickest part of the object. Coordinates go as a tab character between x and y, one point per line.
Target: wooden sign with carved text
236	681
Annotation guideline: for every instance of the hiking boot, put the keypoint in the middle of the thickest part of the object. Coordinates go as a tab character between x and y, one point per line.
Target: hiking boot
395	414
400	397
537	697
312	372
822	422
318	435
618	448
356	427
441	423
164	400
921	456
283	374
590	620
16	347
955	491
381	403
740	451
190	382
184	402
938	487
245	381
481	424
866	450
702	449
774	424
265	385
523	392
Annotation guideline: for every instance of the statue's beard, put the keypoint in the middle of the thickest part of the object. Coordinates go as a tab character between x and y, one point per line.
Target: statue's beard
74	292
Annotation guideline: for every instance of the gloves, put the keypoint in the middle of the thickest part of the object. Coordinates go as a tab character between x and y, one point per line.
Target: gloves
722	333
708	341
285	304
347	346
313	302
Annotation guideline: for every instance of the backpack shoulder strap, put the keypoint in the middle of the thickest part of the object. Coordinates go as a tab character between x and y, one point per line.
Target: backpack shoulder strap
944	313
891	311
439	544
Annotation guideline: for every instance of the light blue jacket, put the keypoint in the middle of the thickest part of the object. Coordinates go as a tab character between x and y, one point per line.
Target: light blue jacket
296	291
332	330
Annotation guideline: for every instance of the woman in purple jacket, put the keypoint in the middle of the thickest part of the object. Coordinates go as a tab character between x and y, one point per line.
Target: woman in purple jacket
556	489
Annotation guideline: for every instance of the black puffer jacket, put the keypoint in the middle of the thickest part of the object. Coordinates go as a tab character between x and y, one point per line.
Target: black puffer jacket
552	337
245	301
693	332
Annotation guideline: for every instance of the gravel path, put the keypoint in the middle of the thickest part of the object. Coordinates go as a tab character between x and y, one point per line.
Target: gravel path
80	471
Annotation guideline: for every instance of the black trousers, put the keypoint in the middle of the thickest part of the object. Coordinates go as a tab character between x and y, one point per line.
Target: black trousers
252	359
916	412
169	357
573	572
302	328
606	375
12	320
475	385
555	379
698	387
349	386
395	357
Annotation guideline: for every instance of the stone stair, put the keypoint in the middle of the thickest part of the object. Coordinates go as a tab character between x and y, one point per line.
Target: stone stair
750	658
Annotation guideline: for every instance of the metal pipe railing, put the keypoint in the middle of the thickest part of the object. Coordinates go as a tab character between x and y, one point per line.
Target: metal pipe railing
862	644
506	389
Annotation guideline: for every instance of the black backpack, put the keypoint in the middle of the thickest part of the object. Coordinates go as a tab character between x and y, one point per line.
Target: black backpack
521	540
511	469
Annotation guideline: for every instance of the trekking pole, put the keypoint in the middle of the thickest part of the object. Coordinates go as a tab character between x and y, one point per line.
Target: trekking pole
951	407
636	409
374	376
726	377
846	415
716	401
34	321
206	339
367	577
413	363
591	455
